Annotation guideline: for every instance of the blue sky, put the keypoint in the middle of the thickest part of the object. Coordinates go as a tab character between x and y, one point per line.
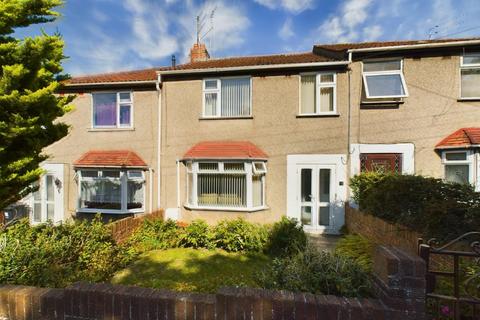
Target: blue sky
114	35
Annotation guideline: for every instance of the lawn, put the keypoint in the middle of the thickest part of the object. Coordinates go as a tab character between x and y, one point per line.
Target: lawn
198	270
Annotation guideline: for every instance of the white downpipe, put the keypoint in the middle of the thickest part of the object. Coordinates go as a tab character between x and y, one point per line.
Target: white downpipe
159	139
150	189
178	184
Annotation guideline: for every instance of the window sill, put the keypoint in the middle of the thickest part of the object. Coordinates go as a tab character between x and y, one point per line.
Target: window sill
196	208
468	99
109	211
109	129
319	115
226	118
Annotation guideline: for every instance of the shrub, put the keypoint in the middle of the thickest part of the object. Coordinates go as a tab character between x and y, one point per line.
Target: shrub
433	207
286	238
240	235
155	235
57	256
358	248
318	272
198	235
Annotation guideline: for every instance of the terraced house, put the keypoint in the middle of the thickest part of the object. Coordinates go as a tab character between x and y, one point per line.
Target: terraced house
264	136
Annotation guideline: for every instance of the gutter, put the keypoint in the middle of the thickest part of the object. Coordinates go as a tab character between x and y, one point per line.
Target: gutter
84	84
458	147
418	46
254	67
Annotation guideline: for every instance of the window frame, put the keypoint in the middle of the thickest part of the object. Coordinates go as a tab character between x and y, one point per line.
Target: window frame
192	167
124	178
382	73
118	104
318	86
468	66
468	161
218	90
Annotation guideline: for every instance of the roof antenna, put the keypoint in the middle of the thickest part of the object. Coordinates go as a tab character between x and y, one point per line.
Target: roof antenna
201	23
432	31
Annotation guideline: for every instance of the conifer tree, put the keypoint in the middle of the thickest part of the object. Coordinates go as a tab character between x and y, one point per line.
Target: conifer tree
30	75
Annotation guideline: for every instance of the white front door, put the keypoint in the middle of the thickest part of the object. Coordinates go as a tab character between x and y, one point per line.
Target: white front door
47	201
316	191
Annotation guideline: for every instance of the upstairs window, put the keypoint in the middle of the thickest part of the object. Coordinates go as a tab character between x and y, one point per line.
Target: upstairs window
470	76
227	97
384	79
226	185
112	110
458	166
318	94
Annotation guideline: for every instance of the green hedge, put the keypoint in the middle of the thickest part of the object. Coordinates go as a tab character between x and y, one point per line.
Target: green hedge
56	256
283	238
431	206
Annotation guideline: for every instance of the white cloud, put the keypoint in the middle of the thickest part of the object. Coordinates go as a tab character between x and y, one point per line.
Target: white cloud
286	31
293	6
372	33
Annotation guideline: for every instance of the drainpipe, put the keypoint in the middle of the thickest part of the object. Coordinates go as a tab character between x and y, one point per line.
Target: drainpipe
178	185
150	189
159	138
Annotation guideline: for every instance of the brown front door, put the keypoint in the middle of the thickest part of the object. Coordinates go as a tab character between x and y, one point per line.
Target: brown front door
381	162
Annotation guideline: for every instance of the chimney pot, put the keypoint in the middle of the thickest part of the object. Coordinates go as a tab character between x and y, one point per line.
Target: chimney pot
174	61
199	52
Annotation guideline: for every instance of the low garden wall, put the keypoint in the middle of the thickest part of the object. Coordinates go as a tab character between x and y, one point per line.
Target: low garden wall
399	283
380	231
122	229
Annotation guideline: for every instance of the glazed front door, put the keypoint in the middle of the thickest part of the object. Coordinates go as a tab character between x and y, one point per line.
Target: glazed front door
316	196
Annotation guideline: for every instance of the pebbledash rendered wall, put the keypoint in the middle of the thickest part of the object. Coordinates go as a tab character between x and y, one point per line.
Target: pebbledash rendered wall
399	284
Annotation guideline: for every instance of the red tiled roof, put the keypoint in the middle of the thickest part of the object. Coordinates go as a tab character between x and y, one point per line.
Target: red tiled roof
110	158
364	45
124	76
150	74
225	150
464	137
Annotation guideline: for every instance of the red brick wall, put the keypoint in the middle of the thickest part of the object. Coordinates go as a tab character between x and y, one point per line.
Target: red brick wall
380	231
122	229
399	283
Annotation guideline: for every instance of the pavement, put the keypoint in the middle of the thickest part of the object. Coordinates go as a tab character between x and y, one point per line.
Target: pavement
323	241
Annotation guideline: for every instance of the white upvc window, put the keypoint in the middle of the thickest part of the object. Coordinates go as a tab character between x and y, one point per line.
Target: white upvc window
384	79
226	185
470	76
459	166
43	208
112	110
227	97
111	190
318	93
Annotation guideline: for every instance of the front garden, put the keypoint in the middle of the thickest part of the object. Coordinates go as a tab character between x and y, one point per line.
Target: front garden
164	254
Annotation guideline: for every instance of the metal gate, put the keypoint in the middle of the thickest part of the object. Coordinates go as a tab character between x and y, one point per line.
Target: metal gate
452	277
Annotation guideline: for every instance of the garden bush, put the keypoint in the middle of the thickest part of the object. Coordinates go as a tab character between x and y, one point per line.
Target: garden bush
318	272
56	256
198	235
240	235
358	248
286	238
155	235
431	206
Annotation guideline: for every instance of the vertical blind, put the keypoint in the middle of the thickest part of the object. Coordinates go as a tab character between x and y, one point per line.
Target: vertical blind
235	94
222	190
308	94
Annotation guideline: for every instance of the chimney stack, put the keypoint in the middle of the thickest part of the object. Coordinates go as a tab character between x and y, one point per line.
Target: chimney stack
199	53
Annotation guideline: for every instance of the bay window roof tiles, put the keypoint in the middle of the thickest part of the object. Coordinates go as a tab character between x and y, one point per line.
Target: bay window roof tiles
462	138
225	150
110	158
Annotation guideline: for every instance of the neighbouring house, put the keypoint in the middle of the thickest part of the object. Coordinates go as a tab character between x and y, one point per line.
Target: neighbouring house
264	136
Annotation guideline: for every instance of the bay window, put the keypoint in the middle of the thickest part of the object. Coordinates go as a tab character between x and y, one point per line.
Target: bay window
111	190
112	110
227	97
318	93
470	76
384	79
226	185
458	166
